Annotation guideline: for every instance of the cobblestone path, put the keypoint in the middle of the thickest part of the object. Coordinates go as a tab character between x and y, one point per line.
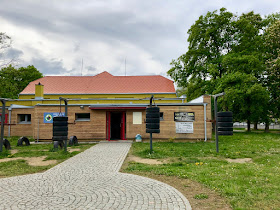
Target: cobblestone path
90	180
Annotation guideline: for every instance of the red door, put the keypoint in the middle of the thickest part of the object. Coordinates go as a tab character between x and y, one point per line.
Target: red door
123	124
115	125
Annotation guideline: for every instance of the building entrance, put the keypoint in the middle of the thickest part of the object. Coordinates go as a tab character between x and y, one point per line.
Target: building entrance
116	123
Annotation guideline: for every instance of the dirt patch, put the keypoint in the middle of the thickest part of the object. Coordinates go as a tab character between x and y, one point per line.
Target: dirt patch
40	161
240	160
132	158
187	187
13	151
145	161
73	150
33	161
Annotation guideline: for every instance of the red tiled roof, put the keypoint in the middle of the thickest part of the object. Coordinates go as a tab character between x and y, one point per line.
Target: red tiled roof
102	83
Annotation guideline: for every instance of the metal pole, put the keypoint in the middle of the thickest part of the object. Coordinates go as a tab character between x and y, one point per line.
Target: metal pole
205	124
216	127
38	133
66	113
2	124
151	134
216	119
10	121
151	143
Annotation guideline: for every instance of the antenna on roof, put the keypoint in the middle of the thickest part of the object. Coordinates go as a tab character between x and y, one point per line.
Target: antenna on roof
125	66
82	67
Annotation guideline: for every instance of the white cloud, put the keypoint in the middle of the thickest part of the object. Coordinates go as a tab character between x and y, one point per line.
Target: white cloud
148	34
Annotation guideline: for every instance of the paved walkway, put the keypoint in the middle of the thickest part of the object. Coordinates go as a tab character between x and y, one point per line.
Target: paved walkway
90	180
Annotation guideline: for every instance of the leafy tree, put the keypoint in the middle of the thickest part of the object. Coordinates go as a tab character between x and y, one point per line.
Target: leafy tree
26	75
246	57
8	82
272	74
244	96
225	53
210	38
13	81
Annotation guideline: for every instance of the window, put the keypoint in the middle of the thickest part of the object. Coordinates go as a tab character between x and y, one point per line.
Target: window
82	116
24	118
161	116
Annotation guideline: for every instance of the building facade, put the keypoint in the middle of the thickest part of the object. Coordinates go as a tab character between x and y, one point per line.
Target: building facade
106	107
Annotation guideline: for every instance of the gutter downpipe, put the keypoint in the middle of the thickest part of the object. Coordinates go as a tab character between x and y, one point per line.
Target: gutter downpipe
205	124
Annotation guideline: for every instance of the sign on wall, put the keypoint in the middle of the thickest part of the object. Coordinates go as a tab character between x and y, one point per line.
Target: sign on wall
137	118
48	116
183	116
184	127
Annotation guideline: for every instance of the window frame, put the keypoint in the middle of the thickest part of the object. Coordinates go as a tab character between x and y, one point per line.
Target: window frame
26	119
161	116
82	119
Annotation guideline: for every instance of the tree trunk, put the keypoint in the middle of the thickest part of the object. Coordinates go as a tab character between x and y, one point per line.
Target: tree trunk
256	126
248	125
266	129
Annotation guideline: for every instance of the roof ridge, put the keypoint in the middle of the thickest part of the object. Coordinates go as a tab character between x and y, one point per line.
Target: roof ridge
104	74
104	83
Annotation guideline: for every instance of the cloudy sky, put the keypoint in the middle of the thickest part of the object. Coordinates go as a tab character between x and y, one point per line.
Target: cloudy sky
139	37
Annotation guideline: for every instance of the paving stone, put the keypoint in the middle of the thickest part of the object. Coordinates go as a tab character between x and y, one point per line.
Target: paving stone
90	180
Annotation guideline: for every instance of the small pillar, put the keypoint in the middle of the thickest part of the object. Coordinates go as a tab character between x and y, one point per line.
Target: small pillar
39	91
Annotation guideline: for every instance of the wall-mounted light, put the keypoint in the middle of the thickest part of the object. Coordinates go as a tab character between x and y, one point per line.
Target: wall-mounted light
81	107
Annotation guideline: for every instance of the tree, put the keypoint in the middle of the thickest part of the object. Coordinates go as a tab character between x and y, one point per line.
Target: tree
8	84
244	96
225	53
13	81
26	75
246	57
5	43
210	38
272	73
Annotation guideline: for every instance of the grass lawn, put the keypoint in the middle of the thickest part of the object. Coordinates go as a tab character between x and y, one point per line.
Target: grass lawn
241	129
21	167
254	185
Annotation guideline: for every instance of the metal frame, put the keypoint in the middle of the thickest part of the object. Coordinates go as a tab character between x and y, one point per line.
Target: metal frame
151	134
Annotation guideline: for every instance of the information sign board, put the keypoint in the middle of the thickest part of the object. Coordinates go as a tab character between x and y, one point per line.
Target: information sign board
184	127
183	116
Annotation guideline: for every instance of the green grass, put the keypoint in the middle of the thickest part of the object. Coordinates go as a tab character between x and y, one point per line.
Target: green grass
247	185
201	196
253	130
241	129
20	167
